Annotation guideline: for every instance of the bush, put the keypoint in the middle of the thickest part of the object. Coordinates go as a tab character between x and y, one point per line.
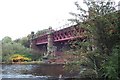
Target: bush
19	58
111	68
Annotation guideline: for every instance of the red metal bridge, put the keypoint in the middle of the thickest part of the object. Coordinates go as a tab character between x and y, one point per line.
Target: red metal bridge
59	39
68	33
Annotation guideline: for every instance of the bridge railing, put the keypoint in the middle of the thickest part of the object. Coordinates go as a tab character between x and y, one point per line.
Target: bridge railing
64	26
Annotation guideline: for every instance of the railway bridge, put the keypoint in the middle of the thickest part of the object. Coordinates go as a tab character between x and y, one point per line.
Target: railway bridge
55	42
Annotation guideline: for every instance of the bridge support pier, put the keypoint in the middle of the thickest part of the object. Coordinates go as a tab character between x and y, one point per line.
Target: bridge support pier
50	46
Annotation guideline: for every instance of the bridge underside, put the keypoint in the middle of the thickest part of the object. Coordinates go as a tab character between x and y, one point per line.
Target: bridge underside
59	47
42	48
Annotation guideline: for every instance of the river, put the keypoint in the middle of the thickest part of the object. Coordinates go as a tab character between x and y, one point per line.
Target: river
35	72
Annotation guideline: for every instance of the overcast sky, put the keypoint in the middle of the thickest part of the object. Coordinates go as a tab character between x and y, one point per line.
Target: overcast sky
19	17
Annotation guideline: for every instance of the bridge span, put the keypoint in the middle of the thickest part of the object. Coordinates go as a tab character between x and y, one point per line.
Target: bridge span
57	41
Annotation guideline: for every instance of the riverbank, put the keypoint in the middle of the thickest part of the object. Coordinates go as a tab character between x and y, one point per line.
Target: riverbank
32	62
49	61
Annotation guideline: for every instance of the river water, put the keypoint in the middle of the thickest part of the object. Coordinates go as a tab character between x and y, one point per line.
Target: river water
34	72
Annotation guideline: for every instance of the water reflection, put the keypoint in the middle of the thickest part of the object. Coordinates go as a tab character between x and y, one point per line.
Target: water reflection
48	70
43	71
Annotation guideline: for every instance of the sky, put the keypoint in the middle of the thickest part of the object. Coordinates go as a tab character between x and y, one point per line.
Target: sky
19	17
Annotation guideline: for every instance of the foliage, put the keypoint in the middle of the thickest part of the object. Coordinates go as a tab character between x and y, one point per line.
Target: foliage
111	68
102	30
6	39
36	55
10	47
19	57
41	32
95	8
24	41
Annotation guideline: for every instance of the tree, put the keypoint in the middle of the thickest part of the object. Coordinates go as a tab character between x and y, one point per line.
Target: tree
41	32
10	47
101	25
111	67
6	39
24	41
